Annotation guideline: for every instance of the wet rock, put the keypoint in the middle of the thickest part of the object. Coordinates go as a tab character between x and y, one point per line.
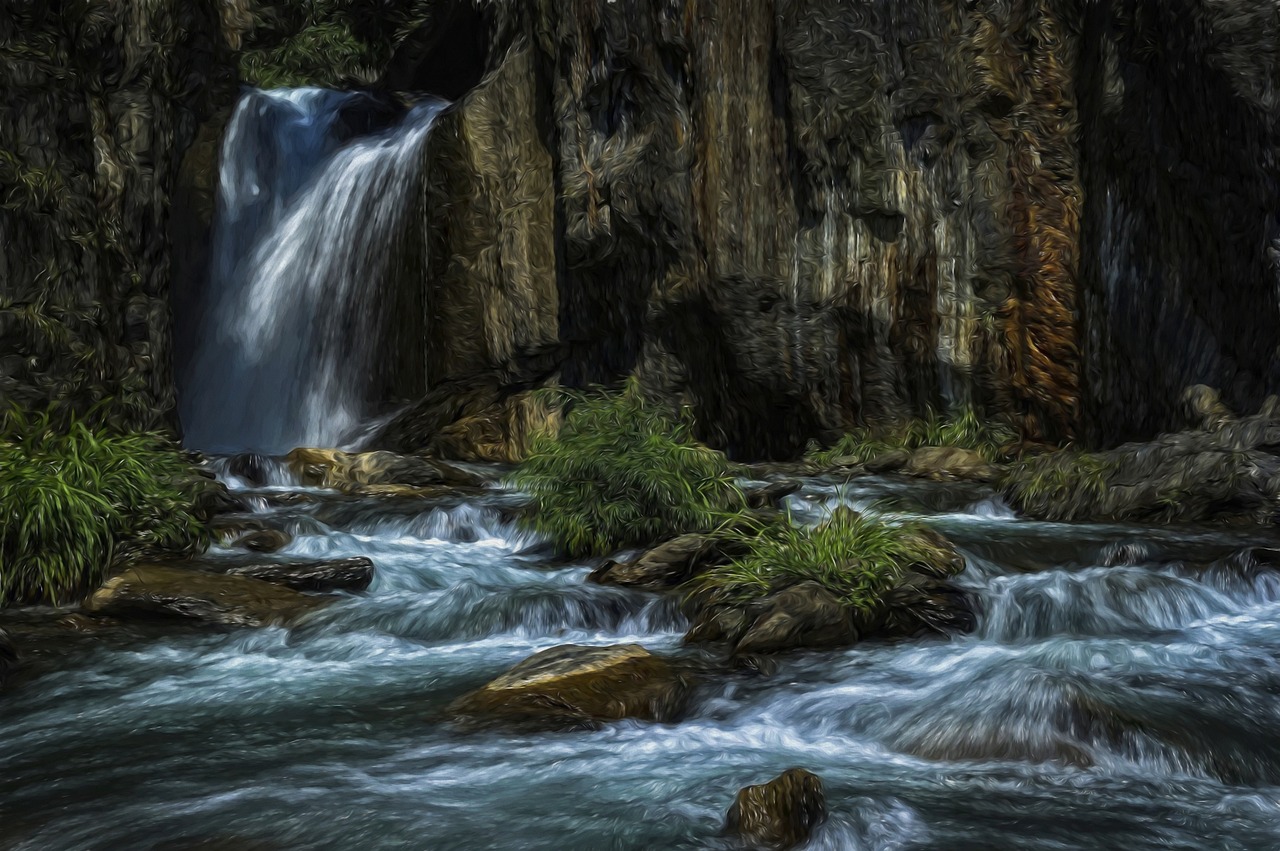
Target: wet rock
717	623
232	527
348	574
943	463
333	468
572	685
669	564
212	498
251	467
804	615
921	604
8	656
411	492
228	600
1205	409
265	540
889	462
943	560
768	496
780	814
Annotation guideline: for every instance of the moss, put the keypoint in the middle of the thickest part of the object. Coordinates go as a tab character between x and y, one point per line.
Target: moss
622	472
76	496
963	429
858	558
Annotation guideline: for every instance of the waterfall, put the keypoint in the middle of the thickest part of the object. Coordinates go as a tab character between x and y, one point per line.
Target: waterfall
305	228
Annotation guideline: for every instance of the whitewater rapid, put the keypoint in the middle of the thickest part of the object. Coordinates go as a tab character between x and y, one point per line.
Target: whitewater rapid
1130	706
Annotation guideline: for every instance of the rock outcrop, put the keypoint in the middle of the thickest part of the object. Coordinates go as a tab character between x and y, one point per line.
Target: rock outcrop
572	685
1227	467
780	814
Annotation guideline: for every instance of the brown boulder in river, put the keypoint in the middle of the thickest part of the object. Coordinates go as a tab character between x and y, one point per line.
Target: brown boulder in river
573	685
228	600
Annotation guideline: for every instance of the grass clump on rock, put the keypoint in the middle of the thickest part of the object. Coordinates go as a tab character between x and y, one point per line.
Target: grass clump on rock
73	497
856	557
963	429
1067	485
622	472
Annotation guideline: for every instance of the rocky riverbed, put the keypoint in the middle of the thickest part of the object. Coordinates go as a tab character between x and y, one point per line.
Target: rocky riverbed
1115	688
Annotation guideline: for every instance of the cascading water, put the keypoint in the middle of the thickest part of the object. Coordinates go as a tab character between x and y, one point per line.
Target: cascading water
305	229
1095	707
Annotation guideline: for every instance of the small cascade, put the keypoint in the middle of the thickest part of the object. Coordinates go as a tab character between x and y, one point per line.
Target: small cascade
305	231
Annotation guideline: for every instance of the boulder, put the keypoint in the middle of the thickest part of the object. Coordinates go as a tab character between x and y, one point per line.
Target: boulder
348	574
943	560
780	814
345	471
889	461
227	600
804	615
251	467
921	604
8	656
669	564
767	496
265	540
572	685
949	462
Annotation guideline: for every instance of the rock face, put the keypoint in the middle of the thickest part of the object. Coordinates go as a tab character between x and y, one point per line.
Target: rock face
572	685
102	100
158	591
780	814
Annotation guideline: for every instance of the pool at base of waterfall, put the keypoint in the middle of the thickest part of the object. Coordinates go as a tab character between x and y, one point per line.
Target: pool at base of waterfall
1118	692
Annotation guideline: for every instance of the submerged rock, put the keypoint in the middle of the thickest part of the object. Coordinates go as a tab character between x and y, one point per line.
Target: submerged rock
573	685
348	574
227	600
265	540
8	656
780	814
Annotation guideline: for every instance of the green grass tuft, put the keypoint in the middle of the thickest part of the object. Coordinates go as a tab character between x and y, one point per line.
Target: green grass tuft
73	497
858	558
962	430
1062	485
621	472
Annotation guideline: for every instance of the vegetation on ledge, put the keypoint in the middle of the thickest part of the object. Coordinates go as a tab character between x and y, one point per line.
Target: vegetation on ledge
73	497
622	472
963	429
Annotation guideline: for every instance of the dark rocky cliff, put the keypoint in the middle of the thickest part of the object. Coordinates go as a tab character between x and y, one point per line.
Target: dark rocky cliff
99	103
793	215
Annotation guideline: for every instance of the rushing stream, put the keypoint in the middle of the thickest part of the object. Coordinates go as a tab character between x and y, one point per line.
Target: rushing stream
1120	692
